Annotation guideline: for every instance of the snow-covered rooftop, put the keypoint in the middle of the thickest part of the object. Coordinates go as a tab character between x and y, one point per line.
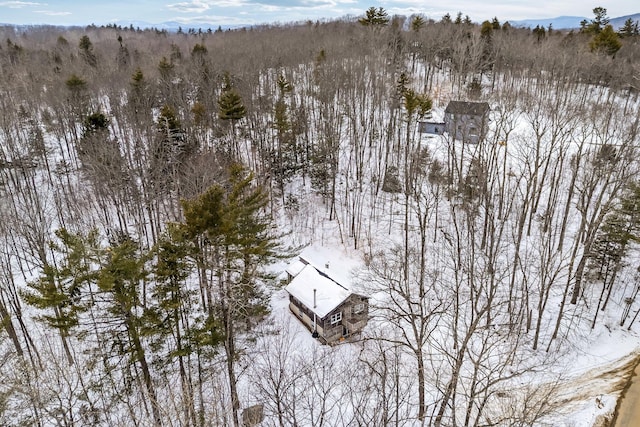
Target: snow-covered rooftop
327	270
296	267
329	294
333	261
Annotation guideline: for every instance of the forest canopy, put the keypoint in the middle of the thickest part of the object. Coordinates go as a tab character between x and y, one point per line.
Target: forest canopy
154	184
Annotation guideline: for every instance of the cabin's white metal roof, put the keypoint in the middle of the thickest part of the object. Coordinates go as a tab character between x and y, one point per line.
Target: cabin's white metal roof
296	267
329	294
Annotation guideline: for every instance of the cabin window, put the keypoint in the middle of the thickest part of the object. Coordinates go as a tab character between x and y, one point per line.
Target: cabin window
336	318
358	308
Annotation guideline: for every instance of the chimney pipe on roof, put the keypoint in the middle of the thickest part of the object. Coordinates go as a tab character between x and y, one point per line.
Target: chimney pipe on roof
314	333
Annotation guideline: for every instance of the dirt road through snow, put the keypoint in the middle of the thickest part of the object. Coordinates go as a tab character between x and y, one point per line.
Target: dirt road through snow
629	411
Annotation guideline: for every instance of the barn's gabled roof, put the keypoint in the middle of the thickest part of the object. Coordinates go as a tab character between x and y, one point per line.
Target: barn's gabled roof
329	293
467	108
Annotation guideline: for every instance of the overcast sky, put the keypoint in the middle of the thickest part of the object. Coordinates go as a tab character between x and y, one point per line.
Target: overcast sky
248	12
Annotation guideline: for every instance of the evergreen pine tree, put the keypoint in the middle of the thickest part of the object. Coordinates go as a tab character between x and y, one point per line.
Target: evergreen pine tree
59	291
285	157
231	108
77	98
138	96
606	41
629	29
232	241
86	51
120	278
375	18
418	22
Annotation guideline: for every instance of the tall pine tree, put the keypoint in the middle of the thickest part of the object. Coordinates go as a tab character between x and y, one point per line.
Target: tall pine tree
232	242
231	108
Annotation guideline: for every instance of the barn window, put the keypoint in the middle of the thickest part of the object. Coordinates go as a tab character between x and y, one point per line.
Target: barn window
336	318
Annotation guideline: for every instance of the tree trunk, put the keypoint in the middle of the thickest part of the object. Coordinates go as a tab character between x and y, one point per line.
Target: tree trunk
139	356
230	351
421	385
5	320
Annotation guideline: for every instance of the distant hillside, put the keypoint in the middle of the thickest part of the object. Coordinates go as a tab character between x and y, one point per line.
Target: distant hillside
173	26
568	22
169	26
558	23
619	22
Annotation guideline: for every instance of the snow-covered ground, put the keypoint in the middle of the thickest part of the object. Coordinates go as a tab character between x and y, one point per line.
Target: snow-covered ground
582	385
470	268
